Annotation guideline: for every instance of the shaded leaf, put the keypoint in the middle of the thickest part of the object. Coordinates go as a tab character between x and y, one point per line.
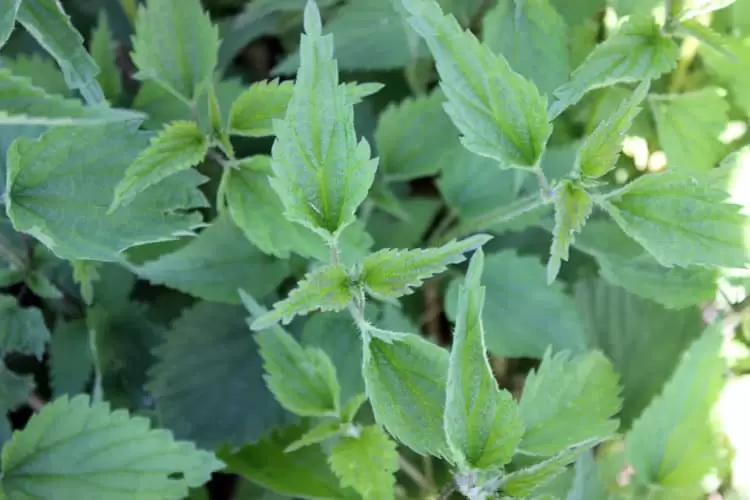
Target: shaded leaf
71	361
573	206
524	482
23	329
14	388
42	71
8	20
104	55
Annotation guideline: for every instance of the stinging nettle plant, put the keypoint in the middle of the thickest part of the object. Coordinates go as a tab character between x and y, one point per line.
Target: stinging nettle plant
206	281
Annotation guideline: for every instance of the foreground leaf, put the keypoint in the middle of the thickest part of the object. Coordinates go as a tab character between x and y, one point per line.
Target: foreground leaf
21	329
255	109
326	288
393	273
499	113
672	443
60	187
524	482
482	423
569	400
176	46
8	20
637	51
179	146
367	463
321	172
124	456
406	381
572	207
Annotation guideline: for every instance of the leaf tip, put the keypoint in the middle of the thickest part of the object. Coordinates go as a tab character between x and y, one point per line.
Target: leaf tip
312	22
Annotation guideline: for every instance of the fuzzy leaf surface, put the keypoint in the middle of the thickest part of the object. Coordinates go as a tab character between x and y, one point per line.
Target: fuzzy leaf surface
526	481
23	329
573	206
8	20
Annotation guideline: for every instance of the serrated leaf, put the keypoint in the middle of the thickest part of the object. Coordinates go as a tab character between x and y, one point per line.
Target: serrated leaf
255	109
698	8
682	221
406	382
407	135
367	463
533	37
517	291
498	112
320	171
21	103
14	388
104	55
123	456
179	146
393	273
482	423
706	36
70	358
23	329
689	126
637	51
200	270
601	150
321	432
525	482
8	20
302	379
626	327
51	27
302	473
327	288
208	359
672	443
569	400
60	187
176	46
42	71
573	205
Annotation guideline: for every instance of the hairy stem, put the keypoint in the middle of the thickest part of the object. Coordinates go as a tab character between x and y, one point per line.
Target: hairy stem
415	474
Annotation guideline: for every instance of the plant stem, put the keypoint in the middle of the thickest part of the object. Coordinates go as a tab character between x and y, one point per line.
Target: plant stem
415	475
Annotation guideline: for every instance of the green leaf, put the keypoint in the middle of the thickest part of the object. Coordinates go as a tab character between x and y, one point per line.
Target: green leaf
406	383
482	423
23	329
176	46
626	327
698	8
179	146
586	484
577	12
352	407
124	456
208	370
637	51
393	273
21	103
730	72
517	291
254	111
573	206
689	126
367	463
672	443
413	136
65	179
682	221
42	71
52	29
320	171
200	270
533	37
71	361
706	36
499	113
302	473
302	379
321	432
600	151
525	482
569	400
327	288
104	55
8	20
14	388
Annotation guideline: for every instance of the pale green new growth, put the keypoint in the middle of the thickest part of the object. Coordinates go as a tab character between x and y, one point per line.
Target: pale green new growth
179	146
22	103
367	463
405	379
698	8
104	55
52	29
601	150
320	171
393	273
302	379
123	457
524	482
8	20
327	288
568	401
482	423
22	330
321	432
573	206
672	443
499	113
682	219
637	51
176	46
